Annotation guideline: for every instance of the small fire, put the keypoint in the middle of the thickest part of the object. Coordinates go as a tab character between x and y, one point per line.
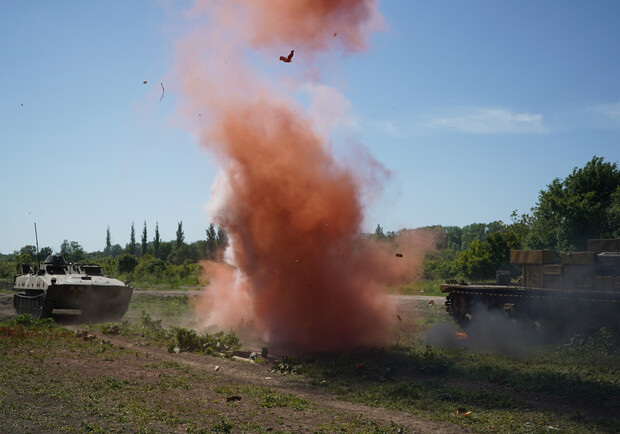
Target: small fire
459	336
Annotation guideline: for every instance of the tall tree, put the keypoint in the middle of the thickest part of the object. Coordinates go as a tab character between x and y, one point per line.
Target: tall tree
580	207
211	242
108	241
222	237
144	240
156	240
132	240
180	235
72	251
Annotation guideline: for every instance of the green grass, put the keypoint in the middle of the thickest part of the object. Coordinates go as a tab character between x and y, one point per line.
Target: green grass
170	309
433	383
571	388
421	287
41	391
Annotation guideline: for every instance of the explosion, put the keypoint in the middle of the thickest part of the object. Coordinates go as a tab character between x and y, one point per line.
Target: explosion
302	272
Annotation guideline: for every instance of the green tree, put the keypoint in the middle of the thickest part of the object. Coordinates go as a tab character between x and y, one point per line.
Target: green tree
474	231
211	242
454	238
72	251
222	237
476	261
580	207
108	240
379	235
614	212
180	236
45	252
144	243
156	240
131	248
127	263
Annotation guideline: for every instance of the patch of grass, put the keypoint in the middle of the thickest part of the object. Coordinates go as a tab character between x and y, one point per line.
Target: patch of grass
420	287
213	344
288	365
167	308
434	383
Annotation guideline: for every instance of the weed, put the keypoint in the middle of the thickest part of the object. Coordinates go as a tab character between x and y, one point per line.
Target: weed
288	365
213	344
223	426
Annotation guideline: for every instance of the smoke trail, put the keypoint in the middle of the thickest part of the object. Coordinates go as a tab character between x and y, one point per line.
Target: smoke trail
303	273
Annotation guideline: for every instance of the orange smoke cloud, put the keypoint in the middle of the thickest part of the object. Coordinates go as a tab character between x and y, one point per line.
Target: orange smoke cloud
303	274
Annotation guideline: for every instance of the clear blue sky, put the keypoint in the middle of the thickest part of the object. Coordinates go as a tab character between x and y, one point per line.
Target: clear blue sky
474	107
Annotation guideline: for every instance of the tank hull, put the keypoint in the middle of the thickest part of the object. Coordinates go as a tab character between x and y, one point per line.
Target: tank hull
555	311
581	293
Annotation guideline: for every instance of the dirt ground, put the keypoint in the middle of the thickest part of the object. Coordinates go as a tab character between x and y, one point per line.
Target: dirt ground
210	374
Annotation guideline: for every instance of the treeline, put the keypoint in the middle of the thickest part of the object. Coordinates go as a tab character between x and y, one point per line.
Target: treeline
585	205
149	261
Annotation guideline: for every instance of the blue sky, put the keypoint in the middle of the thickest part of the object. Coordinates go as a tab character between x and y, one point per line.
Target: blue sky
473	107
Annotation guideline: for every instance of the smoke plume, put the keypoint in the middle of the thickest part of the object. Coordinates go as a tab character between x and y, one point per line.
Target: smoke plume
302	273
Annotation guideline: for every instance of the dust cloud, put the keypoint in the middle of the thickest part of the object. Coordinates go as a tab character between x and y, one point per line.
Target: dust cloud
302	274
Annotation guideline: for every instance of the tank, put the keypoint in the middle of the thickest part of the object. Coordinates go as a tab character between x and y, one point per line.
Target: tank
59	285
576	292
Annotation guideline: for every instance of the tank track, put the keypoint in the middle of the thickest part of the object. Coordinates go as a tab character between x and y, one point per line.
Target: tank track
536	304
33	305
460	319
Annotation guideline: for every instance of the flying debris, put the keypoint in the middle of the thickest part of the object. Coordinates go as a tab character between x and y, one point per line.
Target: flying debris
287	59
144	82
162	91
399	255
399	318
431	302
335	34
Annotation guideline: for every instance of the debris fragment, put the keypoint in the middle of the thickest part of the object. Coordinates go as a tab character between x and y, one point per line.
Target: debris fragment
335	34
399	318
430	302
144	82
162	91
399	255
217	368
463	411
289	58
233	398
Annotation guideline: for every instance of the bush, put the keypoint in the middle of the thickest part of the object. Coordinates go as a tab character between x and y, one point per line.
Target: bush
127	263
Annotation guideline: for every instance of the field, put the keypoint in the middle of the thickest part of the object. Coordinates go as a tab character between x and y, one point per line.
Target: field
150	373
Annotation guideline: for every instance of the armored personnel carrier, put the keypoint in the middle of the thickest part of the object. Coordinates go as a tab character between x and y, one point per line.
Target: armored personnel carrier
579	292
61	285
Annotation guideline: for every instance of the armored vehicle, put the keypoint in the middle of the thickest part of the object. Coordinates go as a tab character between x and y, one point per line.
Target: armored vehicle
577	293
61	285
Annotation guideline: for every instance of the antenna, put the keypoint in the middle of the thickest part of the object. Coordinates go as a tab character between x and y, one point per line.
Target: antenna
36	237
